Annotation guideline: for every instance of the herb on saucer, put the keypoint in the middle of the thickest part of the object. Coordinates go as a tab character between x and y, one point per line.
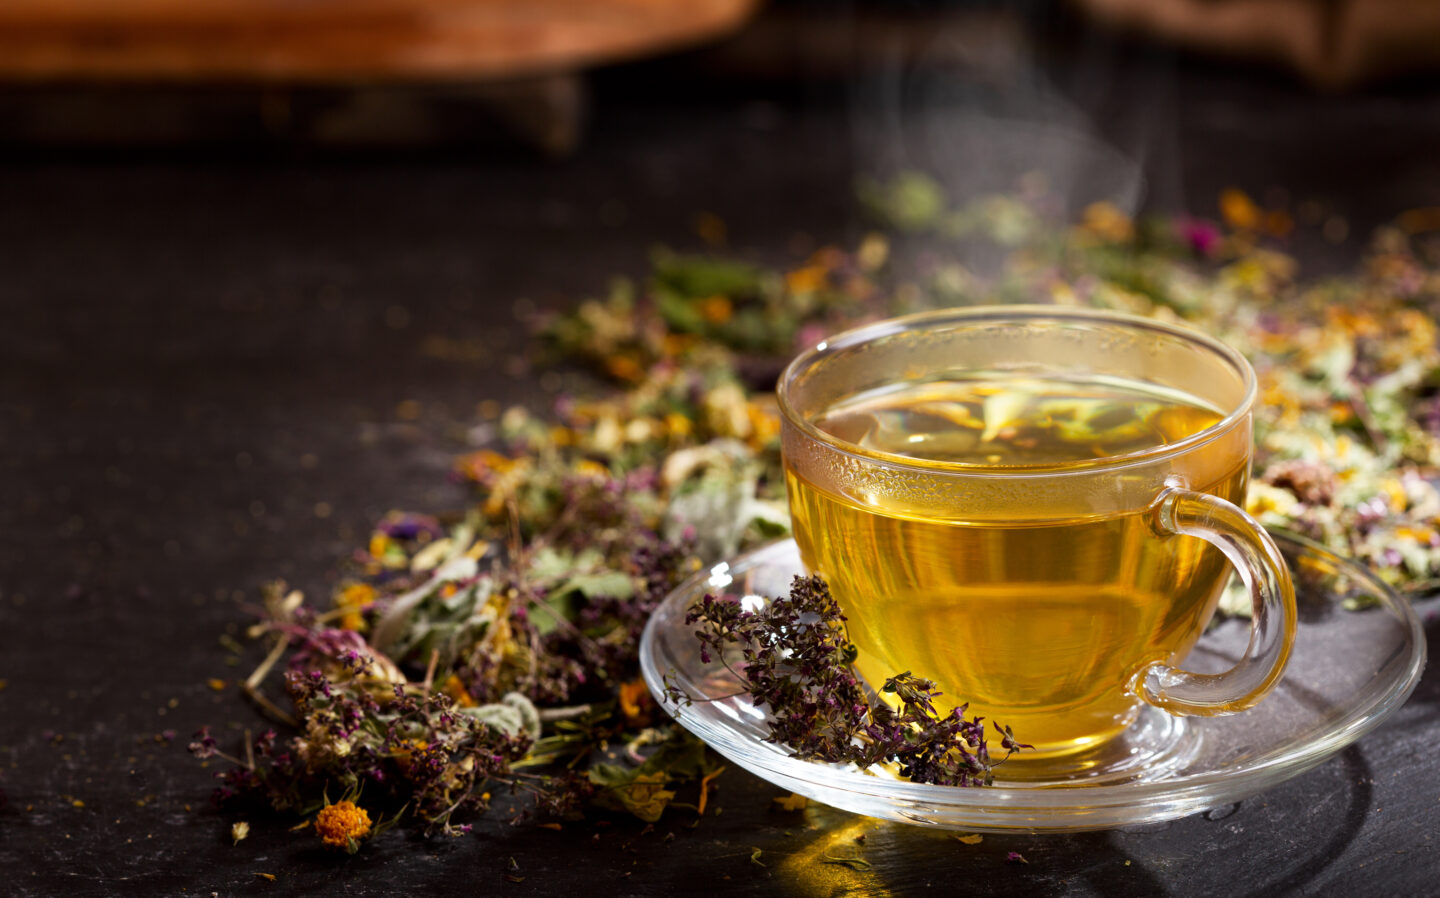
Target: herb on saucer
797	662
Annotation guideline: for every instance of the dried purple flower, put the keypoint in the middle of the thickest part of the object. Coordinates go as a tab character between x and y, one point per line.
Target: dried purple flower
203	745
1202	237
410	526
795	660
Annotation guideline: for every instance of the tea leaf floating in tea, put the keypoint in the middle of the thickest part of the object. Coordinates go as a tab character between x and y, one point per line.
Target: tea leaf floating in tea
797	662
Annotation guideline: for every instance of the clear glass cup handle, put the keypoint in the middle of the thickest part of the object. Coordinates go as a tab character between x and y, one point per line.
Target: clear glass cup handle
1272	629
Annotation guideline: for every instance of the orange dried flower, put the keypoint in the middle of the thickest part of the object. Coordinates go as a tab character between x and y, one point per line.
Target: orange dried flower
342	824
1238	210
588	467
379	542
624	368
764	425
716	309
809	279
635	702
455	688
562	436
1107	222
353	598
679	426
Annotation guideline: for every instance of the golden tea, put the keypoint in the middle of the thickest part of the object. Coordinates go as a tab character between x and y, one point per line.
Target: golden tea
1037	618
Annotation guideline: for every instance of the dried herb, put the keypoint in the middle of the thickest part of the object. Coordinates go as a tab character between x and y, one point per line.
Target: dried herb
495	650
560	624
795	659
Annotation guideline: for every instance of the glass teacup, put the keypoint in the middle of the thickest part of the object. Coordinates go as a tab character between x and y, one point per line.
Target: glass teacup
1034	507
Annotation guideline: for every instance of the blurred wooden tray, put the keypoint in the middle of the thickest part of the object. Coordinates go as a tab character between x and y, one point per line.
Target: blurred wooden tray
342	40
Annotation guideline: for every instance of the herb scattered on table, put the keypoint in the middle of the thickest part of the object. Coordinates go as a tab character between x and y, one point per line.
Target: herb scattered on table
492	652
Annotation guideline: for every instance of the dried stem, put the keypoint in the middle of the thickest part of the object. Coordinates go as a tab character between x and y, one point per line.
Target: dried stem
251	687
430	671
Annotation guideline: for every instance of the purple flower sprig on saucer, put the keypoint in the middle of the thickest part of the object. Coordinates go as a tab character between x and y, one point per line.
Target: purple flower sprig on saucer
796	661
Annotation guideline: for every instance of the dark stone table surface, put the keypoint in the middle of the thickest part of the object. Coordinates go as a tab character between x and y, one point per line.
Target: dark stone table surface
219	366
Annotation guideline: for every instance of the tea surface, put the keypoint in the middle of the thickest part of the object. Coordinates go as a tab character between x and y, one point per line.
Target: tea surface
1038	623
1016	420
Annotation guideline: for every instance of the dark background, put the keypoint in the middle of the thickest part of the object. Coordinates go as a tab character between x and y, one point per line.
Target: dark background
231	340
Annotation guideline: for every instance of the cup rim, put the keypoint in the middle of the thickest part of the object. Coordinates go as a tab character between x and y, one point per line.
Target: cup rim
1020	312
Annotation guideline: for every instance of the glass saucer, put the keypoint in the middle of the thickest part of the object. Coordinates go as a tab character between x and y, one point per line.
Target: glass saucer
1350	669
